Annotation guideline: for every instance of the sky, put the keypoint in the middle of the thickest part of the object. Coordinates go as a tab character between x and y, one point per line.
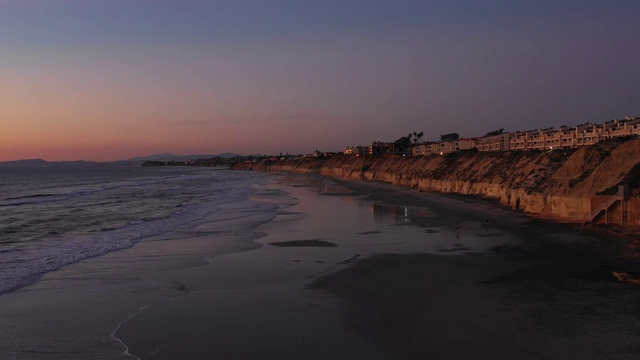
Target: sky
108	80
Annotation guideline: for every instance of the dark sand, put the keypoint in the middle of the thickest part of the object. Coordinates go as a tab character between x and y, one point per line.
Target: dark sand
401	283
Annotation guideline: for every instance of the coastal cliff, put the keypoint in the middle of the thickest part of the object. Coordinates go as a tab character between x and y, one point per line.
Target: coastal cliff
562	185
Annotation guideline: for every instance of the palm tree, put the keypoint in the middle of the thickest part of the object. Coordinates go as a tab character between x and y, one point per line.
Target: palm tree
417	136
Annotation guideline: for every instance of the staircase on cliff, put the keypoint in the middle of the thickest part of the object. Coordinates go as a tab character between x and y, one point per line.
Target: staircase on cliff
619	197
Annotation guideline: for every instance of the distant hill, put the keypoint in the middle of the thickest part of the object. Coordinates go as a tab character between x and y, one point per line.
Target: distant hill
228	155
26	162
174	157
41	162
136	160
156	157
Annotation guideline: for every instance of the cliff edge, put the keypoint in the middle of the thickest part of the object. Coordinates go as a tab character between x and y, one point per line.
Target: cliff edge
561	184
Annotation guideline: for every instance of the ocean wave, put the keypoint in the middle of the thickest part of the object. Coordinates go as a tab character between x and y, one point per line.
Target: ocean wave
57	246
29	196
82	190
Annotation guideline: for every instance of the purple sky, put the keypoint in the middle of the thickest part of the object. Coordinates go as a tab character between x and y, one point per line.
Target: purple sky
114	79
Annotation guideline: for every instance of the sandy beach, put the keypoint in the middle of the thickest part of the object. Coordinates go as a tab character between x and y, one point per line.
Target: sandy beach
551	295
345	270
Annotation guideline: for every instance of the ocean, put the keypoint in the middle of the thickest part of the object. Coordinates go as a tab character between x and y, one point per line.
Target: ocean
52	216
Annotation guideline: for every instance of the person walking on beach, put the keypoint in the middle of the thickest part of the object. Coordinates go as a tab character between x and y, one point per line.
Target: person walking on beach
457	232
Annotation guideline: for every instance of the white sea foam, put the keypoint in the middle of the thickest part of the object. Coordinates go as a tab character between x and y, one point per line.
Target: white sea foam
115	212
118	340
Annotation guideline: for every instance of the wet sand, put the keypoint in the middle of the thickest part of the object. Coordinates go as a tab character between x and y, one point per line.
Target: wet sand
503	286
552	296
400	283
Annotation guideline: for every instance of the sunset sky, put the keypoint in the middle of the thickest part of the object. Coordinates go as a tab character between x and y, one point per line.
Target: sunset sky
113	79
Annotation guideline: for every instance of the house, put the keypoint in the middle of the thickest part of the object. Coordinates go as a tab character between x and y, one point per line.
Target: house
518	140
356	150
494	143
444	147
589	134
419	150
463	144
425	148
382	148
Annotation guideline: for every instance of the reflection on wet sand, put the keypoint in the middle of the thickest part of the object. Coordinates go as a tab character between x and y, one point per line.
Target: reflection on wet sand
369	232
407	211
304	243
316	185
333	190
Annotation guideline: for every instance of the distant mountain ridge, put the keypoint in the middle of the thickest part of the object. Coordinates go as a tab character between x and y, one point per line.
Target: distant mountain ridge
174	157
140	159
25	162
42	162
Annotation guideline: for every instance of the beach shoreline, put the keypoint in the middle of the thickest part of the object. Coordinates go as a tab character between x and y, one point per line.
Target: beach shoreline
346	269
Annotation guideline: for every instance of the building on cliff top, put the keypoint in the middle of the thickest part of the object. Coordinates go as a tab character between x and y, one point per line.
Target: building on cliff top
538	139
494	143
563	138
